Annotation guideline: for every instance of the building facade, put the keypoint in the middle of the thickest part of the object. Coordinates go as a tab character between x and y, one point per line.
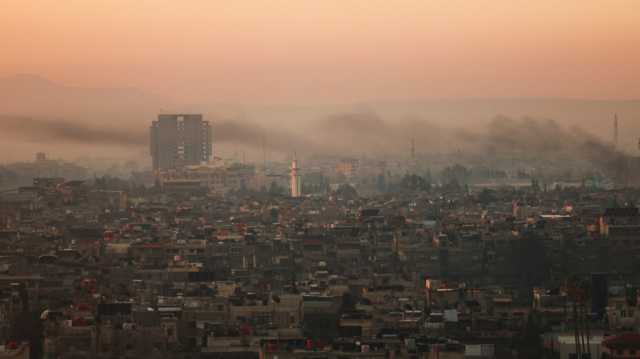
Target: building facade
178	140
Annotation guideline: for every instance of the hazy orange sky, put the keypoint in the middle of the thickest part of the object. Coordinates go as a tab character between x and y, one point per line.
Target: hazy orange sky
303	51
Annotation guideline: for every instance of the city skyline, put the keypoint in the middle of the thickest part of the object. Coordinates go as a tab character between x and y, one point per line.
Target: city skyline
294	179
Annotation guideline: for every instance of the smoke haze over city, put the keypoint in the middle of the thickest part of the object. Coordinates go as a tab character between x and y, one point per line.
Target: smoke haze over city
380	72
294	179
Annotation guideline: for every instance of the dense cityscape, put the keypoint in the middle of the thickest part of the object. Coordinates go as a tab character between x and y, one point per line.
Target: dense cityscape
317	257
319	179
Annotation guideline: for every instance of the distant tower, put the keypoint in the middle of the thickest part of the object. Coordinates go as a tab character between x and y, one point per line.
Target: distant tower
615	131
264	152
295	180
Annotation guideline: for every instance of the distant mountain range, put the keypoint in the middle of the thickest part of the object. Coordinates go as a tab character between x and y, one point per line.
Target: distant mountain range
34	95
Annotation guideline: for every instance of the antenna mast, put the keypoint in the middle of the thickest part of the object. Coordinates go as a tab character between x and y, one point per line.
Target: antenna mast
615	131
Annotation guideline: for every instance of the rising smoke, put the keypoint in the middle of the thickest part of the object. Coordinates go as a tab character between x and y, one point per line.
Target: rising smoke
67	132
355	133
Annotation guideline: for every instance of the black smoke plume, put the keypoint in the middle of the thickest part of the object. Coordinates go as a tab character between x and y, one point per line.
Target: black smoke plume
61	131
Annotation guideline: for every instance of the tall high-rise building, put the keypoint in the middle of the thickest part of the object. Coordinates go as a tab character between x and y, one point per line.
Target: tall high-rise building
179	140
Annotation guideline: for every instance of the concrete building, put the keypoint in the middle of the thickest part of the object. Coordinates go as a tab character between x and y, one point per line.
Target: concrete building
178	140
347	168
563	345
15	351
626	345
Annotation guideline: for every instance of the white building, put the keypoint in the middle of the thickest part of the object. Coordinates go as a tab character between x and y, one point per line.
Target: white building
295	181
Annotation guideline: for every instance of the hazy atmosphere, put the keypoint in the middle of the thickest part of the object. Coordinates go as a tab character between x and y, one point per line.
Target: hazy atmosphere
98	72
328	179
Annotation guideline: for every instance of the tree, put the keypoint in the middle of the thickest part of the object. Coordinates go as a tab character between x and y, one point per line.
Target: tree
530	341
456	173
275	189
381	183
486	197
346	191
348	303
413	182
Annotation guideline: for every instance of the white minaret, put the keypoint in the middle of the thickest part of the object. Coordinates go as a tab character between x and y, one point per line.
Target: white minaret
295	183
